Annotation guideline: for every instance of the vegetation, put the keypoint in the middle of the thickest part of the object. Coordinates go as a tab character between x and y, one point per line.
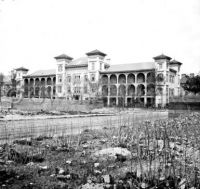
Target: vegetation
192	84
1	83
159	154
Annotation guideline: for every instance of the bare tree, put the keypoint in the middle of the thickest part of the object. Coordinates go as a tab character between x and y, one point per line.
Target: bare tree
94	90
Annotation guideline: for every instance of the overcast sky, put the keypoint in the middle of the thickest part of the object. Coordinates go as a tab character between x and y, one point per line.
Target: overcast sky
32	32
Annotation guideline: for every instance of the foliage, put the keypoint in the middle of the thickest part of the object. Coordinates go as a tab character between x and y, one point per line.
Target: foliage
192	84
1	83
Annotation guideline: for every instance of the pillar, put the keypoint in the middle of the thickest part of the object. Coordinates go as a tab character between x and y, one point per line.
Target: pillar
108	100
29	87
117	85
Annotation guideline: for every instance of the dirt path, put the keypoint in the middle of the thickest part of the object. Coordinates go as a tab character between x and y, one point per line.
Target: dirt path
13	129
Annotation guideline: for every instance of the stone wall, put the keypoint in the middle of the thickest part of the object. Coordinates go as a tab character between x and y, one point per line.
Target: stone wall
55	105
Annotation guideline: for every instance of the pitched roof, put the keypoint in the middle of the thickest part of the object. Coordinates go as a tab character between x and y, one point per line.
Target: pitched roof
131	67
95	52
162	56
175	62
63	56
42	73
83	61
21	69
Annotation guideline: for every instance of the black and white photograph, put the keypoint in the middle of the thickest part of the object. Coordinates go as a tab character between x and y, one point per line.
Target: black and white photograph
99	94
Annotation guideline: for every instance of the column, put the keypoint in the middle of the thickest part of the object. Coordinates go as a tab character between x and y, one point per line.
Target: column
117	85
39	87
108	98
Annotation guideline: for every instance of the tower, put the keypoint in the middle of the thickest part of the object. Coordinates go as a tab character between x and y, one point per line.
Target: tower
162	73
19	73
96	64
62	60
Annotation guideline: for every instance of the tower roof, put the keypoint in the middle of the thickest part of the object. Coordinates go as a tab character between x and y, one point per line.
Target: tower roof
63	56
175	62
162	56
95	52
21	69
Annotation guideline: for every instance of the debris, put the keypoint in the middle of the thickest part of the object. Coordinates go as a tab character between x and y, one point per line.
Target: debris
113	152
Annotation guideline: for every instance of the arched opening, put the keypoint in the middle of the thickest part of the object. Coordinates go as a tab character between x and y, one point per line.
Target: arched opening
31	92
122	90
105	90
37	92
43	92
112	101
139	102
26	91
25	82
31	82
48	92
104	79
159	91
140	78
140	90
122	79
43	81
54	80
113	79
160	77
113	90
130	102
131	78
49	82
37	82
150	90
131	90
26	88
54	91
151	77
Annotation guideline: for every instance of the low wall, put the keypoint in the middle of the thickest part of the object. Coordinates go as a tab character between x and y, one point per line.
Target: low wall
35	104
185	103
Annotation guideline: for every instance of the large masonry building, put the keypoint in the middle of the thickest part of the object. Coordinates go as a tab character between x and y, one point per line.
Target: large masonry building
92	76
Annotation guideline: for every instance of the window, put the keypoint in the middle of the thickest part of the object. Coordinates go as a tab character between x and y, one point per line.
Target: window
68	79
77	78
59	89
160	66
101	65
60	78
77	90
60	68
92	77
167	90
167	77
68	89
93	66
86	78
172	92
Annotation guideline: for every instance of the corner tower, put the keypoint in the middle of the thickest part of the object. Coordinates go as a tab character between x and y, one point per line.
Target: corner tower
96	64
61	60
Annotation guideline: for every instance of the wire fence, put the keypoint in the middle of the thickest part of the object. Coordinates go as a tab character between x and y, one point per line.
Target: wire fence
15	129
